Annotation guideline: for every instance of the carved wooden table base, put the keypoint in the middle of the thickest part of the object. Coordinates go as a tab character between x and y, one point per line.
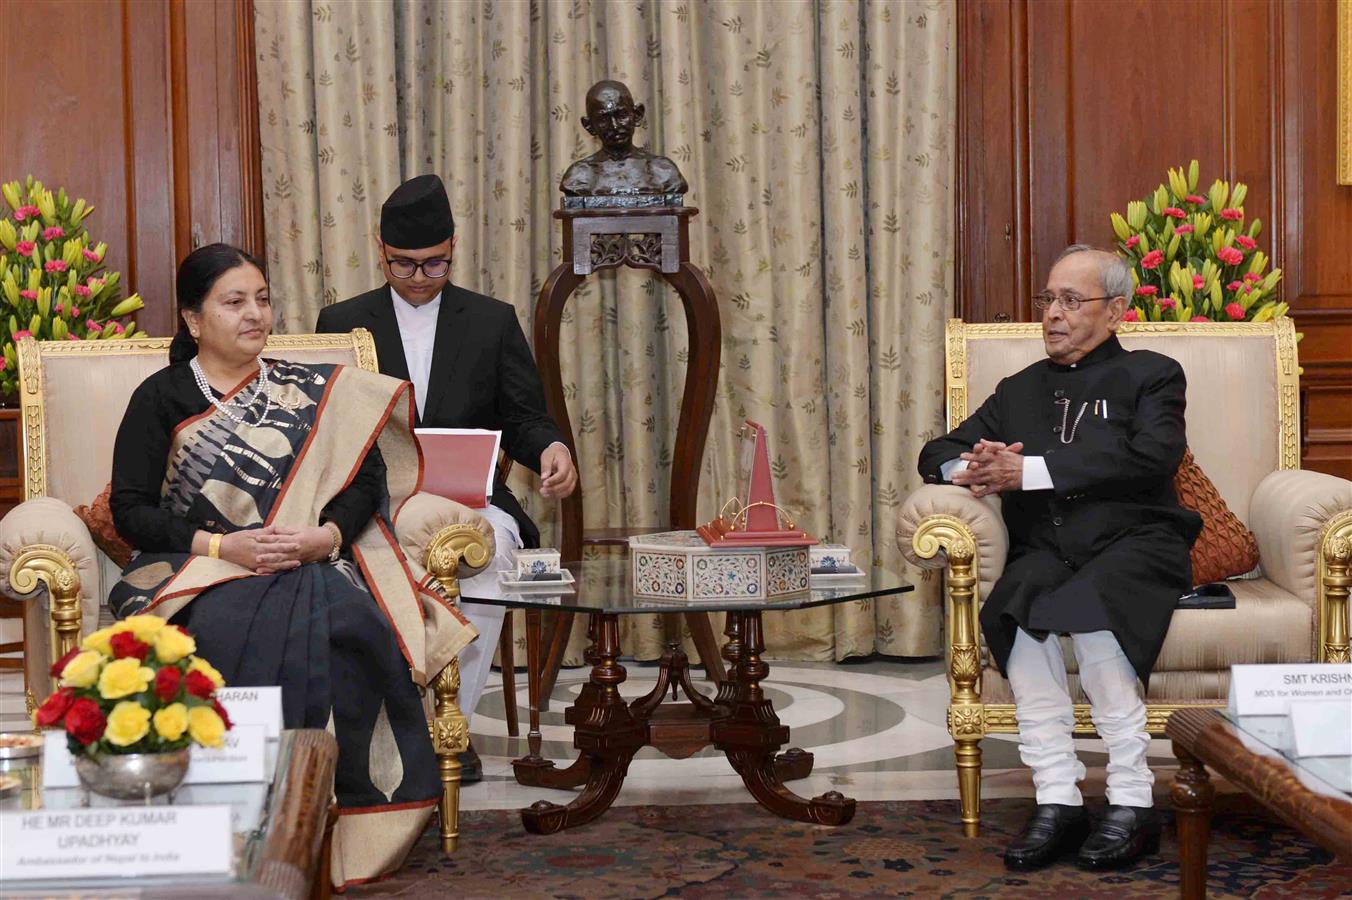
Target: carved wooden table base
1205	736
608	731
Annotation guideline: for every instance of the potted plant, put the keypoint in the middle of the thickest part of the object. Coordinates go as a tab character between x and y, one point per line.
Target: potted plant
53	284
1192	258
132	699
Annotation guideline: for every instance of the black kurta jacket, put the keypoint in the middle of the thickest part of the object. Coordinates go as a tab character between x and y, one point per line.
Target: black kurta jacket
1108	546
483	375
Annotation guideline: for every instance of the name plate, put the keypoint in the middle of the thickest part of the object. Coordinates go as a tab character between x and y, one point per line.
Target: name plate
1322	727
242	756
124	842
1269	690
253	706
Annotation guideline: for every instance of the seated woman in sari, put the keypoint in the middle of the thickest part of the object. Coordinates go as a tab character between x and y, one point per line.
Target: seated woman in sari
260	495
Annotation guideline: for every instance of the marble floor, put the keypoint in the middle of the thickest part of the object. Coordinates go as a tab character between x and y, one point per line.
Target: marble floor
876	727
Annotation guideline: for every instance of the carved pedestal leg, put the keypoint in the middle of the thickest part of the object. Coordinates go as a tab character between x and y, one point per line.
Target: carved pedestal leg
1192	794
535	771
749	733
608	736
450	737
1336	575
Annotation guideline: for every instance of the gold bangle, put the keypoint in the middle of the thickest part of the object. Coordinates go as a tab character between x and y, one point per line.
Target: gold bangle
337	549
214	546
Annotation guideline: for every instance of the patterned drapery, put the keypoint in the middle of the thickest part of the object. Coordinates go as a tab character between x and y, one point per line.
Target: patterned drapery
818	141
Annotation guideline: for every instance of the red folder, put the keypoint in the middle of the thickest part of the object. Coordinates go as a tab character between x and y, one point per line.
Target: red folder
459	463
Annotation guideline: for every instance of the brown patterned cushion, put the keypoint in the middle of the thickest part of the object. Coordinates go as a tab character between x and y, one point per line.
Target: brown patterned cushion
1225	547
98	518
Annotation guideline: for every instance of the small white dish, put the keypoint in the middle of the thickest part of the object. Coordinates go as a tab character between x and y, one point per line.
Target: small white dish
508	579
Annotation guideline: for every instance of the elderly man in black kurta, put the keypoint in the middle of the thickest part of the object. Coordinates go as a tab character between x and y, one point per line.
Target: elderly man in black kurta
1082	448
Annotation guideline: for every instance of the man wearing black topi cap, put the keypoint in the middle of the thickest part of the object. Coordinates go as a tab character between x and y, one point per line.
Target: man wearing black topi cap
471	368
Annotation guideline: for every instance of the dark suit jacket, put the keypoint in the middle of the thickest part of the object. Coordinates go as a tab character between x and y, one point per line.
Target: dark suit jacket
483	374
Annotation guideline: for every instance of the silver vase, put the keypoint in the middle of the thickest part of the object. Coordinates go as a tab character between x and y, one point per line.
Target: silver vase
132	776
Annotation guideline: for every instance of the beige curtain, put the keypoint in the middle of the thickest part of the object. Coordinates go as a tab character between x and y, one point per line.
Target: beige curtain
818	140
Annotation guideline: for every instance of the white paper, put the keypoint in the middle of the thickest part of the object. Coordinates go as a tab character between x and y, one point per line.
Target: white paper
121	842
1269	690
241	757
58	769
253	706
1322	727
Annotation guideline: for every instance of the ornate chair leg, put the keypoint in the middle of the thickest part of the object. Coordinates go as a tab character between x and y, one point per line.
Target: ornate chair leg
450	737
966	714
1335	580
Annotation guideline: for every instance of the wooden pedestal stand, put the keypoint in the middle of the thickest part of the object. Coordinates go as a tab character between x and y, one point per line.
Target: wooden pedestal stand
655	238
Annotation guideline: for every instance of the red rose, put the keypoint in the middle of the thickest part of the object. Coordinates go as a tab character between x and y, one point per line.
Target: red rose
1152	259
85	721
167	682
1245	241
1230	256
54	707
1147	290
220	711
1193	198
1183	229
1168	303
200	685
125	644
1234	311
1234	285
1175	212
61	663
1234	215
1197	282
1133	241
1199	319
1252	276
1131	315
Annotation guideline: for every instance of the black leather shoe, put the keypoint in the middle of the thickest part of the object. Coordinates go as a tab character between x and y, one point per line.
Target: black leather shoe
1054	830
471	769
1122	836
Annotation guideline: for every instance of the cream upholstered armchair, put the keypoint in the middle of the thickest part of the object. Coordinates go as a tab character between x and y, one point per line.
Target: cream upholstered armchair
1243	429
73	396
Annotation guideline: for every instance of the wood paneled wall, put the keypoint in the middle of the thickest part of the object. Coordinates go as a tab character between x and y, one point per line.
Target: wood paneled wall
1070	108
147	109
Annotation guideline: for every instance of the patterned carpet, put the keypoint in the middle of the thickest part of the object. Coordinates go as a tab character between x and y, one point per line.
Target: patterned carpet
890	849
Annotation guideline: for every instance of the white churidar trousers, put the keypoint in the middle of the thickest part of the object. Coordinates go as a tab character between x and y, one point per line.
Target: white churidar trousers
476	660
1037	675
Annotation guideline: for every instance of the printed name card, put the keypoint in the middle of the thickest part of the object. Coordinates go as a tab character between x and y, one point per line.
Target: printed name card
123	842
1322	727
1269	690
242	756
253	706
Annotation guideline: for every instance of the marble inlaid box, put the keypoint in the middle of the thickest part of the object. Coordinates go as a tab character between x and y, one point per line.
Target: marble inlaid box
831	559
542	563
679	565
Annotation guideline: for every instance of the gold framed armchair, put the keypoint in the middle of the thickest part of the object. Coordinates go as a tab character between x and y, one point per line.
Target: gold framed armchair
73	397
1243	428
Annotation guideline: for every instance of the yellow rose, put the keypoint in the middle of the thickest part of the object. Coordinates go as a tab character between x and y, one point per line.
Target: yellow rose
172	644
101	640
198	664
124	677
83	669
144	627
127	723
205	727
171	722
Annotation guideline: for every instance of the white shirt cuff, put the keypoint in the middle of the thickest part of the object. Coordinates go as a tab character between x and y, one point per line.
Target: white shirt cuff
947	470
1035	474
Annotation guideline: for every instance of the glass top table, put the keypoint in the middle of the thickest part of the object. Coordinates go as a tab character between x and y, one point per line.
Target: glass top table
1327	775
278	824
609	729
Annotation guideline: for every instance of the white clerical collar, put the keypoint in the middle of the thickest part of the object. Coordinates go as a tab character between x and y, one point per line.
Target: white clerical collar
400	303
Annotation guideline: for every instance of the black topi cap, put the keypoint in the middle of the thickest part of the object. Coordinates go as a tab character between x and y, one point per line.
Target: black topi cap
417	214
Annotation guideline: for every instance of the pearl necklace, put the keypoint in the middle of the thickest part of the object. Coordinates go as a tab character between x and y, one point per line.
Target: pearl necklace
260	386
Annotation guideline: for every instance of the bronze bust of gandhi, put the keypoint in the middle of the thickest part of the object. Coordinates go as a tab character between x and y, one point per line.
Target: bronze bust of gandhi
619	174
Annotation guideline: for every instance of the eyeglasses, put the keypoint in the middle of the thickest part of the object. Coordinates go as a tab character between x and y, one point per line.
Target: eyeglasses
1069	302
432	268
